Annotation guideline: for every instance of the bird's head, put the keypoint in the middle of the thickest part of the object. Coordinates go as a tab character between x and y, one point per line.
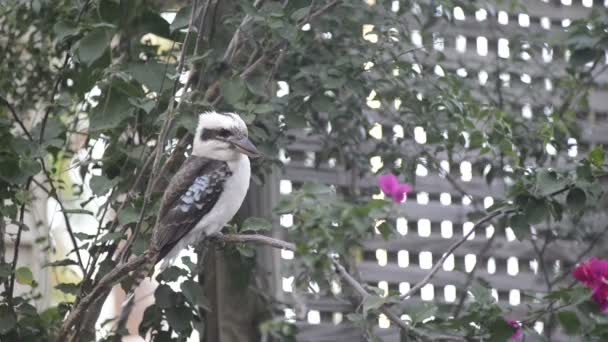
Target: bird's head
222	136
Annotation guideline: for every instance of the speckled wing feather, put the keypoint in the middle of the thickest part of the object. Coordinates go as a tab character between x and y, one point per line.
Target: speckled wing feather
191	194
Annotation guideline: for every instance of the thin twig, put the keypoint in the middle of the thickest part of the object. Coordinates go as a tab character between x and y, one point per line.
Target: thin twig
597	238
235	40
163	134
451	250
323	9
471	275
364	295
541	262
245	74
16	117
61	73
68	224
16	253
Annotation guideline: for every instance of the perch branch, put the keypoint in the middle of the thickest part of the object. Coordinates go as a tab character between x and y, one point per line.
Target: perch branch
276	243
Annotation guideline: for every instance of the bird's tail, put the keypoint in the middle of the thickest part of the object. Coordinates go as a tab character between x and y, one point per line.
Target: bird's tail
127	306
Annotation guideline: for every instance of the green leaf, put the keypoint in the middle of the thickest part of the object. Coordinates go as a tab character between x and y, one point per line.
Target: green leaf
583	171
547	183
179	318
110	11
182	19
92	46
384	229
570	322
84	236
195	293
286	206
520	226
78	211
372	303
500	330
153	22
233	90
68	288
580	57
8	320
536	211
422	312
316	188
63	30
172	274
64	262
576	199
300	13
128	215
100	185
5	270
24	276
256	224
110	112
111	237
597	156
151	74
323	104
355	317
164	296
482	293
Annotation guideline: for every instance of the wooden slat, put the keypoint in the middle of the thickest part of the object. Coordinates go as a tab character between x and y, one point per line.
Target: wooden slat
348	332
501	248
431	183
392	273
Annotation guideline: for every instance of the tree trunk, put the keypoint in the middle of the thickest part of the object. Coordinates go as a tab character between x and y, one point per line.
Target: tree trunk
237	310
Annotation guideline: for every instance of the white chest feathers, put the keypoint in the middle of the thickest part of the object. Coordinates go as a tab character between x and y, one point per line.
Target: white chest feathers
228	203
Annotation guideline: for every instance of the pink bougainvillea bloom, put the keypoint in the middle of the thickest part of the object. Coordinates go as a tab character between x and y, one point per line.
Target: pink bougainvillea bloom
600	296
593	273
389	184
517	328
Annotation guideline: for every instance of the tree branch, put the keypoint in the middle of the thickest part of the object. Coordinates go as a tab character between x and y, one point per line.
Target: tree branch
104	284
322	10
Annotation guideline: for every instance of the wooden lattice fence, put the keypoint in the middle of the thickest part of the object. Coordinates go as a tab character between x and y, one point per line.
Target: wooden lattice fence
475	46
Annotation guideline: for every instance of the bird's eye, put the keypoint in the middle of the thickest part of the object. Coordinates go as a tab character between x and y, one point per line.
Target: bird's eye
224	133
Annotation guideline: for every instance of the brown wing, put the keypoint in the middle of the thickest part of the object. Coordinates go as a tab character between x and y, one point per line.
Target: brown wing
191	194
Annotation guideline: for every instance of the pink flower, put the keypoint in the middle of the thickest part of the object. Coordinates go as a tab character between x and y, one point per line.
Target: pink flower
517	328
593	273
389	184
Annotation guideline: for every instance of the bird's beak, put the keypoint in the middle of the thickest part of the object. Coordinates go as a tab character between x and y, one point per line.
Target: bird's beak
244	145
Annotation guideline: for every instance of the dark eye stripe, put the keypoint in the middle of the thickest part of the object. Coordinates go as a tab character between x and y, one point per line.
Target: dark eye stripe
214	133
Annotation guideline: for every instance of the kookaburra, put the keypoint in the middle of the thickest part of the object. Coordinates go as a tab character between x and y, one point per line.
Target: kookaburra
203	195
209	188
